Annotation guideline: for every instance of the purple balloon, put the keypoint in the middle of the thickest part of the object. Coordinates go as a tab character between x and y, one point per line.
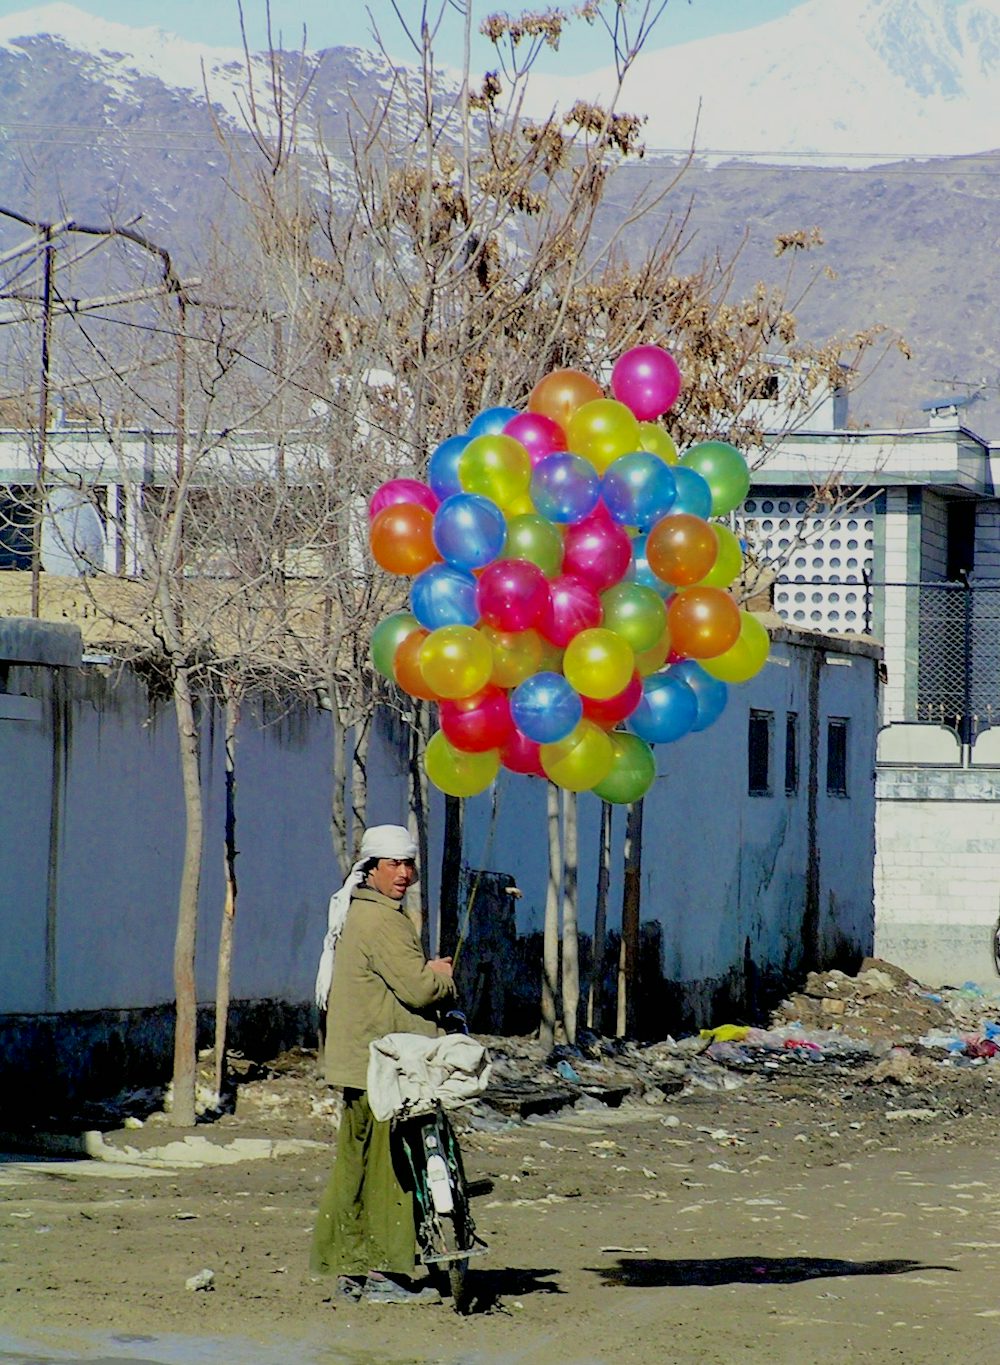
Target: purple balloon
444	596
565	488
469	530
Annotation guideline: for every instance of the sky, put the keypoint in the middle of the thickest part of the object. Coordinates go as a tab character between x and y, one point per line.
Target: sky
331	23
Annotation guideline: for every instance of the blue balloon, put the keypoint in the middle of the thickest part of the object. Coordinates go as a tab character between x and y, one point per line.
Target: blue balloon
469	530
444	596
545	707
490	421
693	493
565	488
710	693
668	710
638	489
442	471
640	572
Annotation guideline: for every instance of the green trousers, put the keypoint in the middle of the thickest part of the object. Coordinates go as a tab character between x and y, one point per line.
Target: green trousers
365	1220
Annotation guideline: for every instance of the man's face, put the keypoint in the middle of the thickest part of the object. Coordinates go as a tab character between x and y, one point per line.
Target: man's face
393	877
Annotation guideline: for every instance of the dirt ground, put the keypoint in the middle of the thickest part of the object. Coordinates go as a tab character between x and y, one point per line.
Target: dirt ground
824	1194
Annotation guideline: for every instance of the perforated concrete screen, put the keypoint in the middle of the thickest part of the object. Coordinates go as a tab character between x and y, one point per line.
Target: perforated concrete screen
819	561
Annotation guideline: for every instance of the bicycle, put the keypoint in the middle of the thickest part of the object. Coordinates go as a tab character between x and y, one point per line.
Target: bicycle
446	1231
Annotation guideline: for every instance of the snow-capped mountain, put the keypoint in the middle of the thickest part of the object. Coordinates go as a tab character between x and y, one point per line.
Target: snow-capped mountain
843	82
101	120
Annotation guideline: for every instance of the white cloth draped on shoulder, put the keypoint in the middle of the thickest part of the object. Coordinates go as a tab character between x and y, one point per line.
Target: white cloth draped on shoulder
381	841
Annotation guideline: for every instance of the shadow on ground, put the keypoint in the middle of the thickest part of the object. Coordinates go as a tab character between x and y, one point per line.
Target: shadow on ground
489	1291
657	1274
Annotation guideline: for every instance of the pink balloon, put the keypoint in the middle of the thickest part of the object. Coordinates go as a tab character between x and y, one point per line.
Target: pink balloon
511	594
608	712
539	435
402	490
573	606
520	755
598	551
646	379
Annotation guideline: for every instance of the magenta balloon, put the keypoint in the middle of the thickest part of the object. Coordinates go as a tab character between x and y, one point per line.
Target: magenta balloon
511	594
646	379
402	490
598	551
539	435
573	606
521	755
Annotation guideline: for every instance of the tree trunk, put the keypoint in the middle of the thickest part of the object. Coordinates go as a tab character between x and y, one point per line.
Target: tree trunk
338	800
185	993
451	876
570	918
628	962
223	977
550	940
359	783
417	822
600	920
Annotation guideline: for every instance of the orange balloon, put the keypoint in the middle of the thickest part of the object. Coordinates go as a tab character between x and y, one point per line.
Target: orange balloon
560	393
681	549
703	622
406	667
400	538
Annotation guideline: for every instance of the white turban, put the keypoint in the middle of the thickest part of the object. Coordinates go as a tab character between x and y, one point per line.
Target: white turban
381	841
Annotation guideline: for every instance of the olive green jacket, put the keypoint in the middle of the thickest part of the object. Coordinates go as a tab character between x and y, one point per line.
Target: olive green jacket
381	984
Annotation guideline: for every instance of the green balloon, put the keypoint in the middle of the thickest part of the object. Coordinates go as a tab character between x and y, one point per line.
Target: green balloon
633	770
387	636
634	612
725	471
535	539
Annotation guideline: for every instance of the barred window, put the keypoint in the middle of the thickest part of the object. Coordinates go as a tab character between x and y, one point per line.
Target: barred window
759	737
791	753
836	756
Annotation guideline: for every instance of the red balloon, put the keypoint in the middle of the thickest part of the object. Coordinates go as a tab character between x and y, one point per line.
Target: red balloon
597	551
539	435
611	710
521	755
511	594
479	722
572	606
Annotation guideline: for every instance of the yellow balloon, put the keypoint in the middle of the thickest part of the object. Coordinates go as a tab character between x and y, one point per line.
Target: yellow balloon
456	772
521	506
600	431
581	760
746	657
657	441
652	660
728	563
598	663
497	467
516	654
455	661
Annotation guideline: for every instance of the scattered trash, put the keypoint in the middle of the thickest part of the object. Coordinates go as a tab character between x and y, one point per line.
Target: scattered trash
205	1279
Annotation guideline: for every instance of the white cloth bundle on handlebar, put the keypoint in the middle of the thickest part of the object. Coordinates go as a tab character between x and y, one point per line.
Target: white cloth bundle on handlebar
408	1074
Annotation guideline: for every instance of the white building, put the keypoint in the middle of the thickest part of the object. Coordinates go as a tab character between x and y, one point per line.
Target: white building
896	534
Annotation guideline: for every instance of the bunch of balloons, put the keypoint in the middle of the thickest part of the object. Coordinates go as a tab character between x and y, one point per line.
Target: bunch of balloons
568	580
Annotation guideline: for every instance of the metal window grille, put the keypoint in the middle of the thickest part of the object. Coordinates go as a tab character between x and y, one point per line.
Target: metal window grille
759	732
791	753
836	756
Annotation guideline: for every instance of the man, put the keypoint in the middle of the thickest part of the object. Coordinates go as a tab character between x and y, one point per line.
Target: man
381	983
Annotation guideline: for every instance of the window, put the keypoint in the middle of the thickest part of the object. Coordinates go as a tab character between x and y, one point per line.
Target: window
759	733
960	554
16	519
836	756
791	753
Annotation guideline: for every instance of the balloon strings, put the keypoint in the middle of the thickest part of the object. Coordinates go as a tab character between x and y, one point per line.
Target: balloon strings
466	917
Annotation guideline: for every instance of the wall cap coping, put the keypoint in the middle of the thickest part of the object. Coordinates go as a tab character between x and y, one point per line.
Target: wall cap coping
55	644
